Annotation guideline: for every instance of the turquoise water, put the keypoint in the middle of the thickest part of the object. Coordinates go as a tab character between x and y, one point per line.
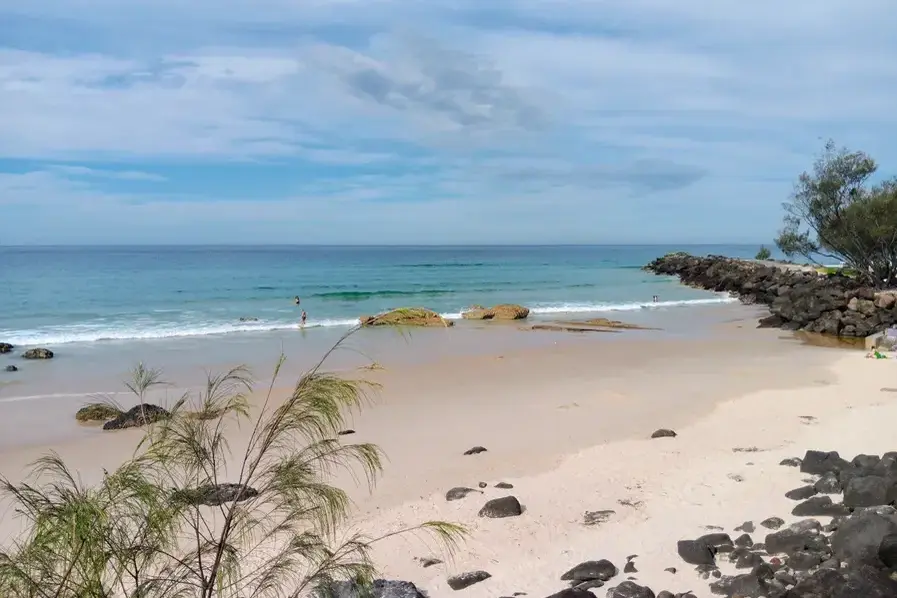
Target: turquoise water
62	295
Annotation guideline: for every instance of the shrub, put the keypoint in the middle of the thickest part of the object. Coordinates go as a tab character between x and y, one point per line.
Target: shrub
763	254
183	519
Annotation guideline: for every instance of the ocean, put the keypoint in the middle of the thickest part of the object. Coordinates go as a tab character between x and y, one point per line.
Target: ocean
99	305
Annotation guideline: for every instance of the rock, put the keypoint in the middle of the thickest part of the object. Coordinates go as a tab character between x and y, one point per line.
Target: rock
663	433
790	540
407	316
859	582
665	594
791	462
629	567
465	580
140	415
509	311
459	492
475	450
97	412
429	562
573	593
589	570
6	348
38	354
11	368
773	523
213	495
802	560
629	589
477	313
504	485
506	506
868	491
802	493
887	551
695	552
345	432
483	485
672	570
745	585
596	517
743	541
588	585
828	484
716	540
381	588
820	463
747	526
819	506
749	560
859	537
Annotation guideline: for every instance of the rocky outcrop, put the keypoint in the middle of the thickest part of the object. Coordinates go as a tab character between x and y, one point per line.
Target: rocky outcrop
505	311
38	354
6	347
406	316
798	298
97	412
135	417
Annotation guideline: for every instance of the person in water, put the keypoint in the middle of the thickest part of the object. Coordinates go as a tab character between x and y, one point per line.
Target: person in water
304	317
296	300
655	298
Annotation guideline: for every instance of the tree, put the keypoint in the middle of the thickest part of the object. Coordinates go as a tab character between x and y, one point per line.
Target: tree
763	253
182	519
834	213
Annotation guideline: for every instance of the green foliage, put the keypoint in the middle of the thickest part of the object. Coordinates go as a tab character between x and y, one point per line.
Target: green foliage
143	533
763	254
834	213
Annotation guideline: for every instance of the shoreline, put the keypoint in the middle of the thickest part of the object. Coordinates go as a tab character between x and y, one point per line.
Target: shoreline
721	470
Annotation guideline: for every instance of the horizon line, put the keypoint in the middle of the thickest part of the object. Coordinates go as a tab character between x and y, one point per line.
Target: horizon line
368	245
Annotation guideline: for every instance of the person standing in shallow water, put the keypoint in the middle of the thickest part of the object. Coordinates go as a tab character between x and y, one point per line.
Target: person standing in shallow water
304	317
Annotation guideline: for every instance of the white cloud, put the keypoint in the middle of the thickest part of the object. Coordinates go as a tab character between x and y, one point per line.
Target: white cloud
465	105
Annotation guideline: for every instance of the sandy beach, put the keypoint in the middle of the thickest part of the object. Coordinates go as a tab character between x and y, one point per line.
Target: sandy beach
568	425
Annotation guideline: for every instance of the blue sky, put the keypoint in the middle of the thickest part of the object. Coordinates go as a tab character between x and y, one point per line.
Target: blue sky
429	121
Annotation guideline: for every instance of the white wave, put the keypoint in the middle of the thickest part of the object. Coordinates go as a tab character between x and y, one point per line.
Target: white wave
82	334
602	307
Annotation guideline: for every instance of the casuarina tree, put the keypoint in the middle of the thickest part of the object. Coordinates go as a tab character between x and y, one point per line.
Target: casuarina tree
835	213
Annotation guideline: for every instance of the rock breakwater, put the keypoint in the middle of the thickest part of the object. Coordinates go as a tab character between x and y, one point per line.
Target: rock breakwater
798	298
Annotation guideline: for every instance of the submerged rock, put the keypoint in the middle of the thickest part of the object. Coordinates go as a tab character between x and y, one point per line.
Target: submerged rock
11	368
97	412
135	417
407	316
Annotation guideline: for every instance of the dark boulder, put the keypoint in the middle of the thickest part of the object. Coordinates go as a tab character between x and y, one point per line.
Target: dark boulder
465	580
475	450
629	589
381	588
590	570
11	368
696	552
858	538
887	551
135	417
6	348
802	493
819	506
868	491
828	484
820	462
663	433
573	593
773	523
506	506
856	582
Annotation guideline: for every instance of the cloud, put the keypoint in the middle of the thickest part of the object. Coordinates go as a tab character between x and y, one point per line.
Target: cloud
698	113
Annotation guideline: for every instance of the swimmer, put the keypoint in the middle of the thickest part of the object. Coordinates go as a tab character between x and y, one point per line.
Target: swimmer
296	300
304	317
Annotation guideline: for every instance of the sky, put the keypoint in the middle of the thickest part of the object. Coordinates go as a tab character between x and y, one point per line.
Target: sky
429	121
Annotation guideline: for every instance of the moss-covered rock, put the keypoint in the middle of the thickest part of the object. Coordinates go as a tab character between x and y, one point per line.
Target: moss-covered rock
38	354
509	311
406	316
97	412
